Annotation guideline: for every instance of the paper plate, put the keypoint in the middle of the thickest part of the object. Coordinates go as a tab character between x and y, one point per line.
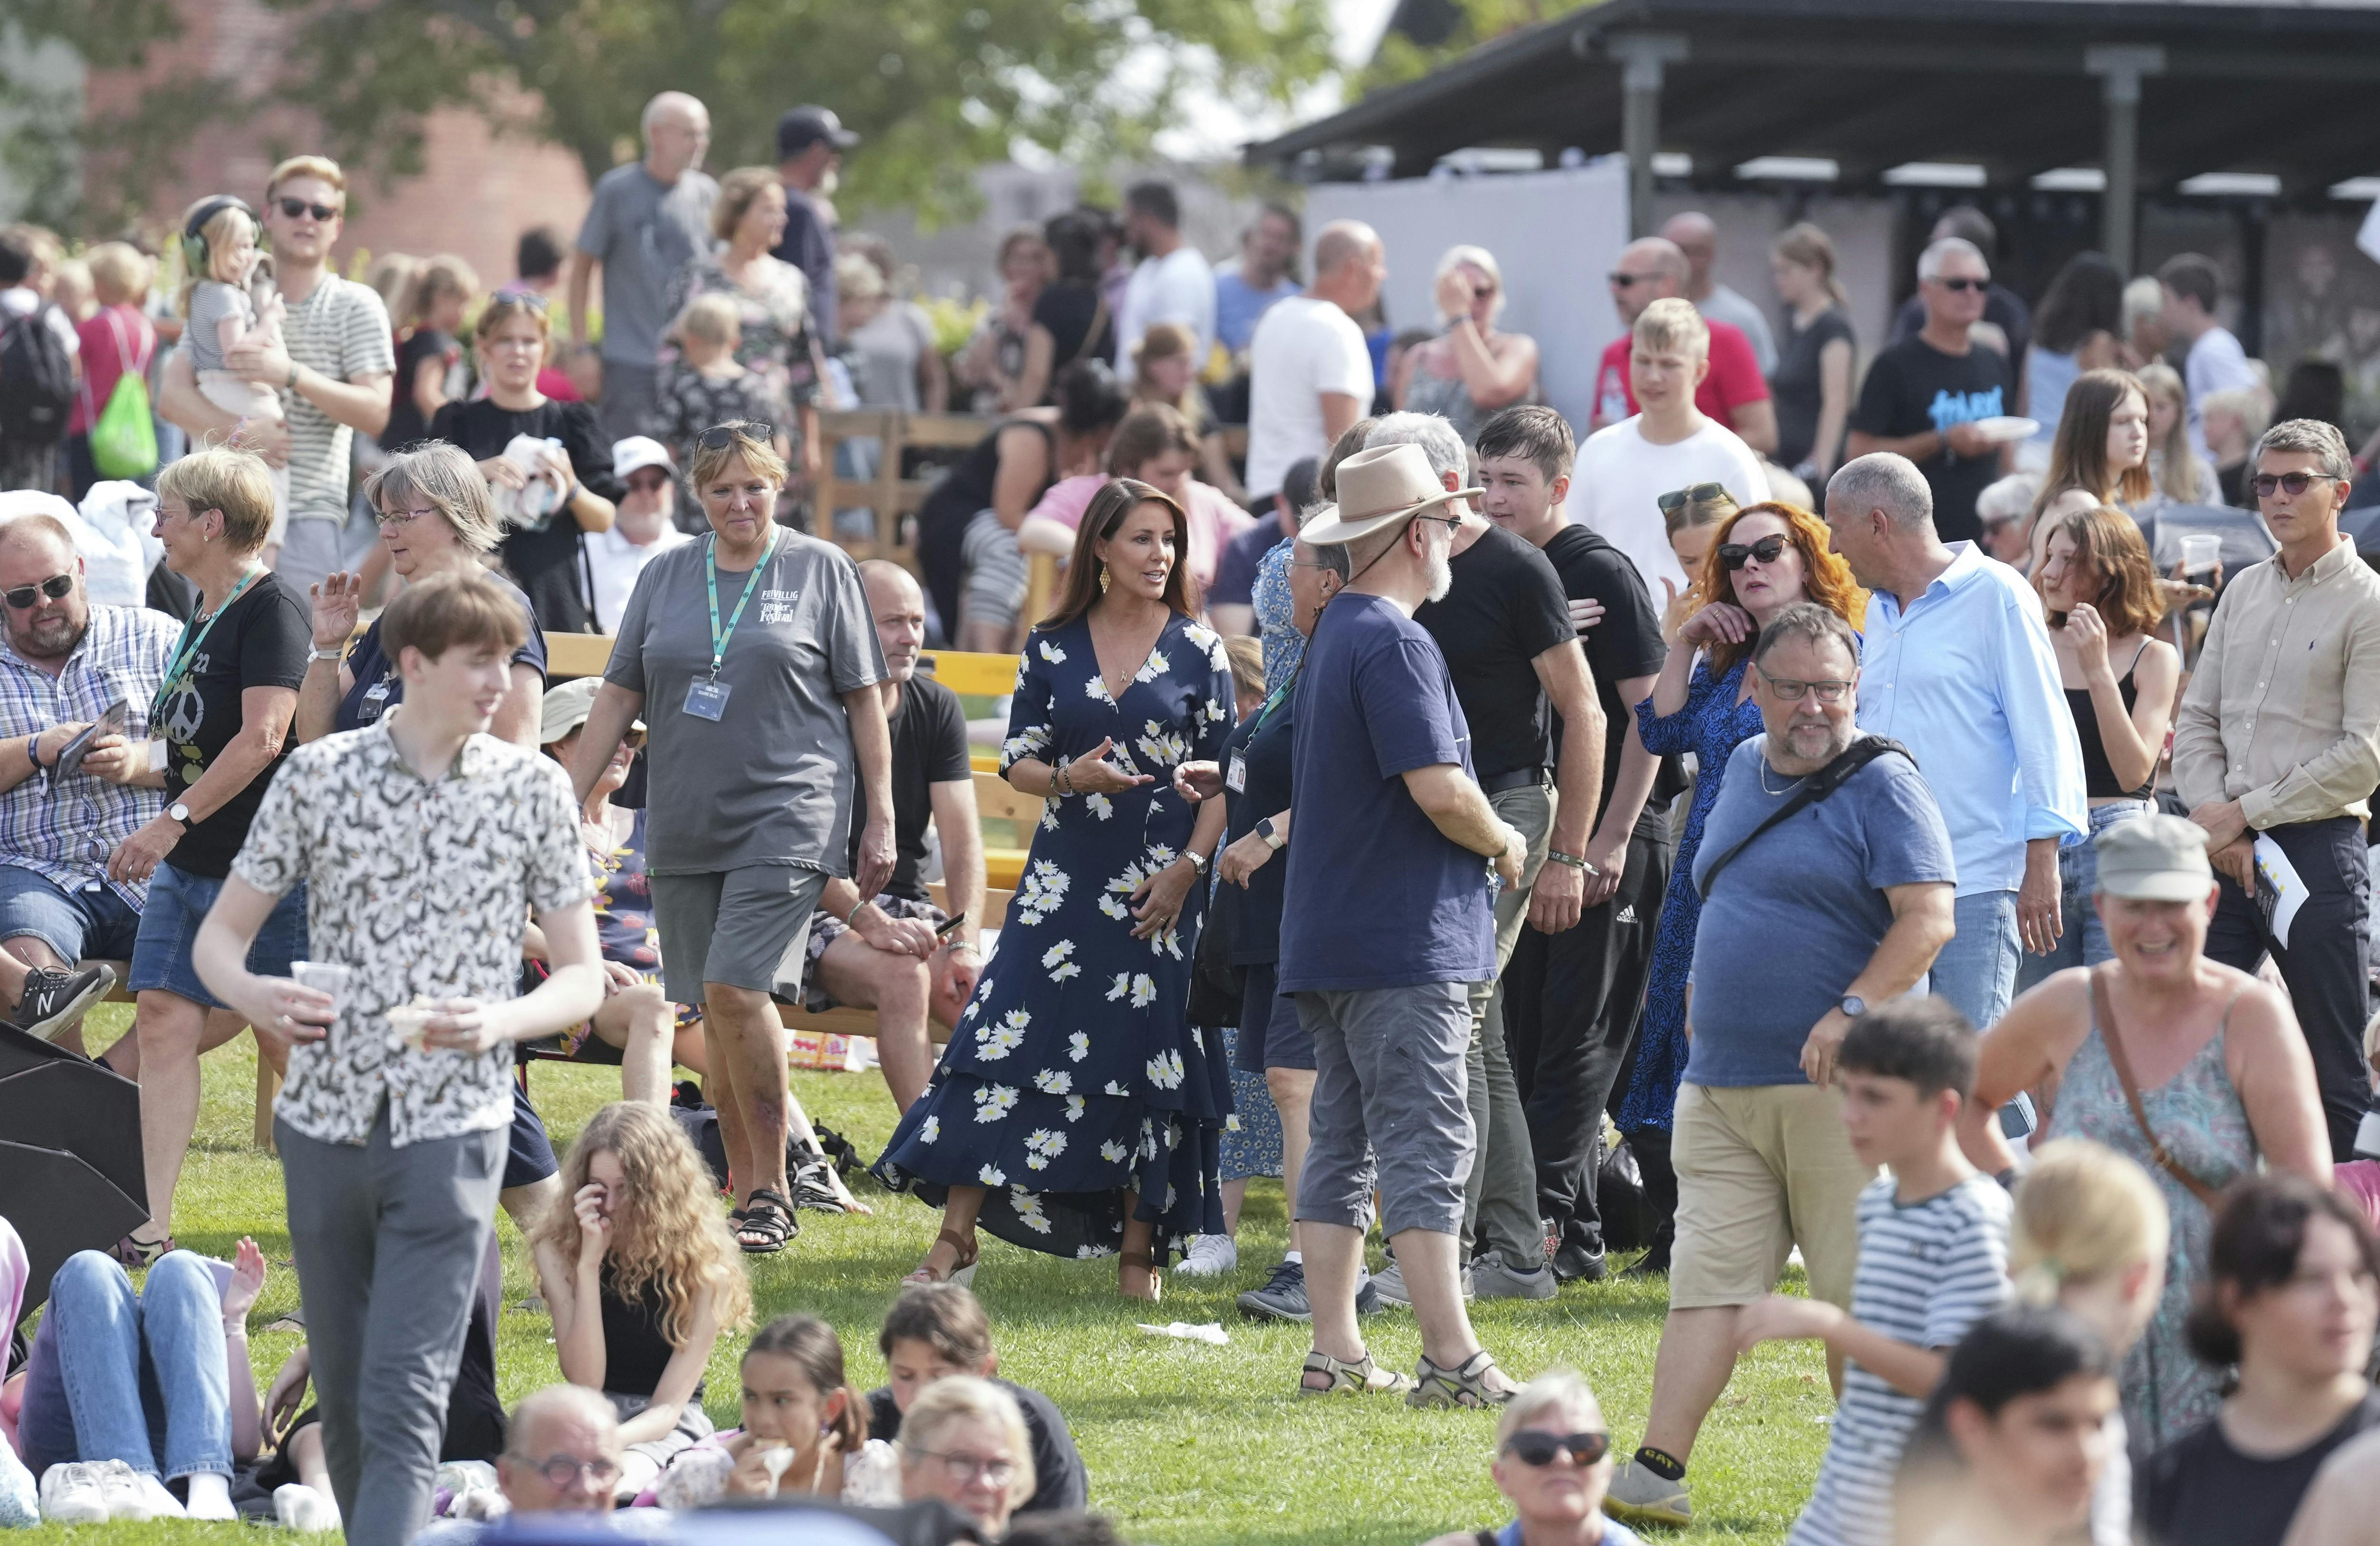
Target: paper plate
2008	426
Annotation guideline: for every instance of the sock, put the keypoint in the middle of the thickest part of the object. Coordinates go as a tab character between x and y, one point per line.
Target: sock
1661	1464
1297	1256
210	1496
20	1502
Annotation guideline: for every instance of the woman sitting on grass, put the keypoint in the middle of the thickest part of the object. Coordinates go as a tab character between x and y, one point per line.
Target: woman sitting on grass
963	1441
1553	1462
641	1275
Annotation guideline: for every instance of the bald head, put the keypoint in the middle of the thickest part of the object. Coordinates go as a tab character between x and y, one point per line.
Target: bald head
36	549
1349	266
677	130
899	609
1648	270
1695	234
556	1425
1340	242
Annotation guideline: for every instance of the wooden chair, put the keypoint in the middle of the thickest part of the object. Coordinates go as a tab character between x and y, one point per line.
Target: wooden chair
888	494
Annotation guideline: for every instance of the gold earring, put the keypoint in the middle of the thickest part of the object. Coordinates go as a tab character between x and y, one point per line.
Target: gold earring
1103	579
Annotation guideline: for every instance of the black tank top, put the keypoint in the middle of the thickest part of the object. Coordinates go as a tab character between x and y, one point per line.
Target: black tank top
2098	777
636	1350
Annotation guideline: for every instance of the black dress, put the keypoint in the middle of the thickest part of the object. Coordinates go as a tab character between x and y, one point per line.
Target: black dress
546	560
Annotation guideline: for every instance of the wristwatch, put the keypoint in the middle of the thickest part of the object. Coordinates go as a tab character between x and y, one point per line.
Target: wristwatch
179	812
1852	1005
1273	840
1198	861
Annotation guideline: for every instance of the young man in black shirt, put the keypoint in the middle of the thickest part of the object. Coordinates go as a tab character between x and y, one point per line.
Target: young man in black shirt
1925	394
1505	631
1573	995
885	955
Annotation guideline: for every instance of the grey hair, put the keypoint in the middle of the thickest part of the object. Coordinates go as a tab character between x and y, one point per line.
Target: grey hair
1807	620
1555	1390
1438	439
1336	559
1929	262
1887	481
2310	435
558	1401
661	103
959	1396
2009	497
450	480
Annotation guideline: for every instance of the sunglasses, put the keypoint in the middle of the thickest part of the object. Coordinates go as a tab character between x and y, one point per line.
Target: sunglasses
1534	1447
2265	484
295	209
57	587
634	739
1620	279
1731	555
1960	286
1697	493
1791	691
718	437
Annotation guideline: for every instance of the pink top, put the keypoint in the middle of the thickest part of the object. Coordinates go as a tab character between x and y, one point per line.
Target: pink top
1214	519
114	338
2359	1182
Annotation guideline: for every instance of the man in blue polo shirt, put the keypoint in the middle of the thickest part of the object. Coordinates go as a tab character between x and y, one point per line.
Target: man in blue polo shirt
1394	817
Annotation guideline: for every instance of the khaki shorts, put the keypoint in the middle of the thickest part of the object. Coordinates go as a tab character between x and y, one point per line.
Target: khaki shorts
1761	1170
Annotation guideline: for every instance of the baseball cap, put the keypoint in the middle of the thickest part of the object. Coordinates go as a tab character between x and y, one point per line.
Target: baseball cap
637	452
566	708
2154	858
803	126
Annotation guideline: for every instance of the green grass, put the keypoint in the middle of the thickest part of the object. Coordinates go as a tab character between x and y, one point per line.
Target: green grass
1185	1442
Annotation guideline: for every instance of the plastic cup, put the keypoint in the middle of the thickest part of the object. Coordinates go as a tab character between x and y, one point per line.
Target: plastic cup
324	976
2201	551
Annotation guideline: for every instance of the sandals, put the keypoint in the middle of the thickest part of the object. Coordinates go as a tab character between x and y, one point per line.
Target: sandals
1362	1377
1146	1262
1465	1386
767	1225
961	1271
134	1251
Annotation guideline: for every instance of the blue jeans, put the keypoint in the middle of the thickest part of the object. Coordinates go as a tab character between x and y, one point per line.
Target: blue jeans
142	1372
1976	971
90	921
2085	941
179	904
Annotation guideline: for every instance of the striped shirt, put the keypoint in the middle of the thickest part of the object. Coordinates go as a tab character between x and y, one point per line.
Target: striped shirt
340	330
1928	1271
63	829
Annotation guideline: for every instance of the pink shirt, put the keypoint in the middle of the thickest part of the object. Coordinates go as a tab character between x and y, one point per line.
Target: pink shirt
103	362
2359	1182
1214	519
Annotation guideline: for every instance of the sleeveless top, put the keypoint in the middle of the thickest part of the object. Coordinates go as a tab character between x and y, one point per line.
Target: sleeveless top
2099	778
966	487
636	1349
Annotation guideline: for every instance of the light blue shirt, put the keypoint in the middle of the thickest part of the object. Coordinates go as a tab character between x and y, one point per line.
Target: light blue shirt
1239	306
1967	681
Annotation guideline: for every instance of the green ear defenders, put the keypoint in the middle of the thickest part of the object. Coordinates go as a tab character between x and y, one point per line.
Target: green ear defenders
195	256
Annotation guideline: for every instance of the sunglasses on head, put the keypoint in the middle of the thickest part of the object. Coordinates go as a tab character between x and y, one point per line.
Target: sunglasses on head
1731	555
1961	286
1534	1446
56	587
1697	493
718	437
294	208
2268	484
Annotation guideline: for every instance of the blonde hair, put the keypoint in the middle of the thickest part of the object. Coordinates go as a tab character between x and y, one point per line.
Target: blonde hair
758	456
236	483
1672	322
323	167
2254	406
668	1234
1555	1390
1478	257
1168	341
2082	1210
443	275
2176	463
218	232
1810	248
736	192
857	276
955	1397
387	275
1247	663
710	318
119	273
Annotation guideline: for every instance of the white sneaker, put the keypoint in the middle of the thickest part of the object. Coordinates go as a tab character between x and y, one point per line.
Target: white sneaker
302	1509
134	1497
1209	1256
71	1495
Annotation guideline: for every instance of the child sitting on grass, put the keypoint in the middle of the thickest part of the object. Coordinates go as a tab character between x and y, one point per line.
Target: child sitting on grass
1933	1259
805	1431
935	1329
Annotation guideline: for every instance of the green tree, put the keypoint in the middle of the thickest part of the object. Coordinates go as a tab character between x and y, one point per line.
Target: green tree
1424	34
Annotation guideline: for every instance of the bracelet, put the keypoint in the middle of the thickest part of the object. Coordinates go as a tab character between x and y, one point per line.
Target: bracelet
33	752
240	1329
855	912
1063	783
335	654
1557	856
294	369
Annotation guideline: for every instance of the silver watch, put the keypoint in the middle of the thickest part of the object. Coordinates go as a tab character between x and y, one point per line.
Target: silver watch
1198	861
179	812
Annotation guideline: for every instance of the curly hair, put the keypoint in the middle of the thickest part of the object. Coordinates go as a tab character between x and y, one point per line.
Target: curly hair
667	1229
1826	578
2110	542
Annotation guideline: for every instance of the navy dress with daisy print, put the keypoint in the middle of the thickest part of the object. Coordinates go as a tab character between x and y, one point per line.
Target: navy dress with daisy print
1075	1075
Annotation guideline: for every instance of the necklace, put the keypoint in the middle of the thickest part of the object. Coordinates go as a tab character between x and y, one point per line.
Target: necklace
1764	780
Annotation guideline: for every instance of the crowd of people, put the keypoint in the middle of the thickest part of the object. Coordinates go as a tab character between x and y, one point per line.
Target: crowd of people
1796	819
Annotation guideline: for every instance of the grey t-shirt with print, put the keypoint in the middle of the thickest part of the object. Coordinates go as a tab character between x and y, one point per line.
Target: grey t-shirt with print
773	780
340	330
643	232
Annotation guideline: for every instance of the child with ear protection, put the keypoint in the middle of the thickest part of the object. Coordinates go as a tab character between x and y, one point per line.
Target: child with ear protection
229	299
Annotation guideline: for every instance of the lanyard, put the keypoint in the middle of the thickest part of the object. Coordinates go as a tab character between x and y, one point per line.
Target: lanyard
187	649
720	636
1279	697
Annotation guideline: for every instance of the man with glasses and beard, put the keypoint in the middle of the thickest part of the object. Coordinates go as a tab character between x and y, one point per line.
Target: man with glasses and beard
1925	394
65	662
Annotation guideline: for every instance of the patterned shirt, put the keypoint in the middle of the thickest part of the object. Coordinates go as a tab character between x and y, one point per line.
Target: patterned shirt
340	330
422	889
1284	647
63	829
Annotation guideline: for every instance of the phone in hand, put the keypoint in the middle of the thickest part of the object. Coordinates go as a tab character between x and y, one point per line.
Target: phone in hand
110	721
950	927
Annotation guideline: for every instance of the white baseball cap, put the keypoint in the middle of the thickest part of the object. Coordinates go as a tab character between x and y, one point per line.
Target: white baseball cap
637	453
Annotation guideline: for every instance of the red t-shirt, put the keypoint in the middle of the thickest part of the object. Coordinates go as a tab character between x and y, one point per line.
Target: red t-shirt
103	362
1734	378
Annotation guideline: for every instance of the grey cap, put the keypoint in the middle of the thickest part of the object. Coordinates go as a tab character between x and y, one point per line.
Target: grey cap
2154	858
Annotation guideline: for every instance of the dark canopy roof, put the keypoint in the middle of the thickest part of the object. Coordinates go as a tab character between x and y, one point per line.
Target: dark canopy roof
1871	84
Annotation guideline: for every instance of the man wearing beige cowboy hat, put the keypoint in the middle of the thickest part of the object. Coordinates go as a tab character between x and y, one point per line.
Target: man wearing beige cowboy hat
1397	819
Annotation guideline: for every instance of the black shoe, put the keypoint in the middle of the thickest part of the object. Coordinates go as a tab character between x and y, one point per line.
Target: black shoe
54	1000
686	1095
1282	1297
1653	1263
1367	1298
1574	1264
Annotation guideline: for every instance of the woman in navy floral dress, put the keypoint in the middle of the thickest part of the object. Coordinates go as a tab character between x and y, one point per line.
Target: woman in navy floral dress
1764	559
1077	1111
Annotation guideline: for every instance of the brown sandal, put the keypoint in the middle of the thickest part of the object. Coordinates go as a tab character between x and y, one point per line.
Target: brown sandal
962	1270
1145	1262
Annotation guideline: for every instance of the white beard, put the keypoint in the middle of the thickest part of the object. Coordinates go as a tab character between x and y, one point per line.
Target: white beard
1441	574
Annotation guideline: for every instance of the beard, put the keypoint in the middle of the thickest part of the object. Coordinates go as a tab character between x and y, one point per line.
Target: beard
1441	573
49	639
828	182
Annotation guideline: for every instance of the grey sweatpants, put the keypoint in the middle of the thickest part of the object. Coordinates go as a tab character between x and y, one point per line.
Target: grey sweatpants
388	1243
1499	1198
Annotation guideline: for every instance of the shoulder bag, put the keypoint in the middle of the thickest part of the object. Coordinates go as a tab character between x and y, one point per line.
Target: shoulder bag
2113	1041
1817	787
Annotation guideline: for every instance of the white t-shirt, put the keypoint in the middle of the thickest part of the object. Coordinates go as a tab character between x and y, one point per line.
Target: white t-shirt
1303	348
1621	476
1178	287
2216	363
23	300
616	563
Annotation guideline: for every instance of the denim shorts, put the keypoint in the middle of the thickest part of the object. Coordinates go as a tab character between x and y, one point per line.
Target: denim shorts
179	904
93	921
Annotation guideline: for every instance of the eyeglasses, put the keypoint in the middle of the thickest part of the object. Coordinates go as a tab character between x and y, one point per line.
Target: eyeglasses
1621	279
1791	691
398	520
1534	1446
293	209
1960	286
718	437
562	1470
57	587
2265	484
1731	555
965	1469
1694	493
649	480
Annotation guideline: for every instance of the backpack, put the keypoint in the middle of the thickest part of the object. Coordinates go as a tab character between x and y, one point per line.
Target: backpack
36	380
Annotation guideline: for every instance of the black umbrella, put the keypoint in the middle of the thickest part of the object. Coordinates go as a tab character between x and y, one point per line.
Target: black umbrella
59	1205
70	1172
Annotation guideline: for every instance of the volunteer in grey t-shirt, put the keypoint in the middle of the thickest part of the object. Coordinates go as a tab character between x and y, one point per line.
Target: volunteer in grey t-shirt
751	656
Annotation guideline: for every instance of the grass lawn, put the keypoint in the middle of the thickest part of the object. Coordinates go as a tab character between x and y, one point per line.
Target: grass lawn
1185	1442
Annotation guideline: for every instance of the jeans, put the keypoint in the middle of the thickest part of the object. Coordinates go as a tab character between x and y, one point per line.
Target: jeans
2084	939
1499	1197
143	1373
1976	971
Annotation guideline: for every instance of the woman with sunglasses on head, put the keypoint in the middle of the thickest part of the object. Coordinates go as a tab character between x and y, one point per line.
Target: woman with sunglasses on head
1762	559
1469	370
1553	1462
567	487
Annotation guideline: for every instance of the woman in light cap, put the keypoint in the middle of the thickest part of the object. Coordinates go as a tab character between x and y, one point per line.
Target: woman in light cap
2183	1065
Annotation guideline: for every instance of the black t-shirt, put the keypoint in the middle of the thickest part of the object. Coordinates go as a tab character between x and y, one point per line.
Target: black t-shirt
1624	646
2198	1491
1794	386
1068	311
377	687
261	640
1260	747
1913	388
1060	1482
1506	610
929	747
405	423
547	563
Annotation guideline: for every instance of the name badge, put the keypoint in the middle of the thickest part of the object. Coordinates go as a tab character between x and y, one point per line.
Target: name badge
375	699
157	756
1235	776
706	699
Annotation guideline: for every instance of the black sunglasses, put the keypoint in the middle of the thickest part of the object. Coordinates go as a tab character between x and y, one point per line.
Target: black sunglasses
1697	493
291	209
1534	1446
718	437
2265	484
1962	285
56	587
1731	555
1621	279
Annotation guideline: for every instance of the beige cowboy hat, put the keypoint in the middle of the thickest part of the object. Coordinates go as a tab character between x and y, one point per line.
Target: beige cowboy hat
1377	488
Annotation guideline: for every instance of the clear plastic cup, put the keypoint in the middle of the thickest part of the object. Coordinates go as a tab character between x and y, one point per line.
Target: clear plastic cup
324	976
2201	551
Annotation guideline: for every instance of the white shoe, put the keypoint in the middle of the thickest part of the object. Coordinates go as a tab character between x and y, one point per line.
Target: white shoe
135	1498
71	1495
301	1508
1209	1256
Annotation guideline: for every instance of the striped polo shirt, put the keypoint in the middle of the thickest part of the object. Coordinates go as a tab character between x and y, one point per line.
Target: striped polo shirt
340	330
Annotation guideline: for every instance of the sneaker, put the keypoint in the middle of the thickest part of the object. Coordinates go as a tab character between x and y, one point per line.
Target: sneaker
54	1000
1574	1264
1494	1280
1640	1497
1389	1283
1282	1297
71	1495
301	1508
1367	1297
135	1497
1209	1256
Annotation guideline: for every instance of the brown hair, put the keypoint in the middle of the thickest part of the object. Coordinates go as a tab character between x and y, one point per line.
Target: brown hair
1350	441
1147	433
236	483
810	1344
444	274
1247	663
2260	1232
2110	542
2078	458
1109	507
506	305
1826	578
946	1317
444	610
1812	248
1698	512
736	192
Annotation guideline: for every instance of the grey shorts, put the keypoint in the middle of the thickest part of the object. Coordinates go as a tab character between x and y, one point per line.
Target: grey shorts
693	1426
1388	1081
631	399
994	589
743	928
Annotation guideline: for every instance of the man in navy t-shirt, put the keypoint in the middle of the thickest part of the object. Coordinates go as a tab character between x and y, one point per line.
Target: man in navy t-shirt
1389	813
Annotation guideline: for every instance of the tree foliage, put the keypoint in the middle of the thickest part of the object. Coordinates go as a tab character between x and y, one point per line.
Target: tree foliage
1447	28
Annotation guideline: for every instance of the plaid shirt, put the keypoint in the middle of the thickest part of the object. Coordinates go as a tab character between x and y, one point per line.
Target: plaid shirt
63	829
